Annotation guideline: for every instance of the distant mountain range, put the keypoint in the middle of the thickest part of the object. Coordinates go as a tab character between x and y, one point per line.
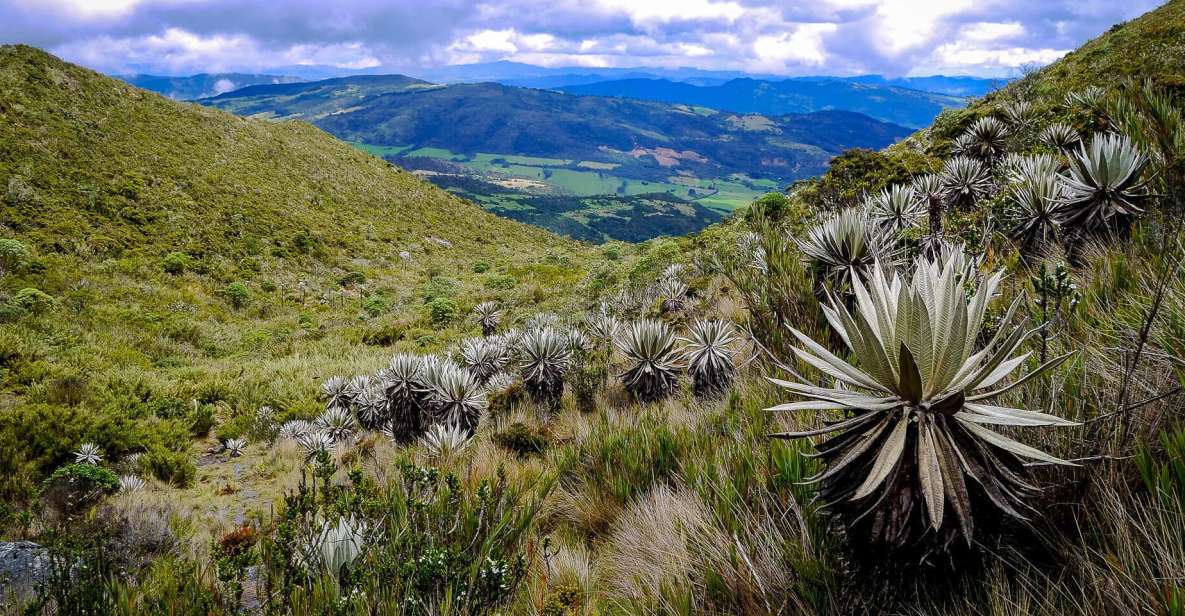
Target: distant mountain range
903	106
531	76
595	153
527	75
202	85
587	166
646	138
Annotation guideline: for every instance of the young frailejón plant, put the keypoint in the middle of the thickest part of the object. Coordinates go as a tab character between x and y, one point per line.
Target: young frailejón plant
445	441
403	392
1034	217
371	406
1020	115
336	392
1061	137
1021	168
964	182
985	140
603	328
484	357
488	315
896	209
649	346
546	358
131	484
338	422
708	353
460	399
1105	189
845	244
916	460
88	453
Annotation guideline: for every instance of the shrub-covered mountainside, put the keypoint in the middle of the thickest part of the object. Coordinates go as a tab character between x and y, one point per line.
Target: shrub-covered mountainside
943	378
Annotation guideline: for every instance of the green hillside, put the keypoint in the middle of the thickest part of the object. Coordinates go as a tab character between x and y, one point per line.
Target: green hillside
186	249
1149	47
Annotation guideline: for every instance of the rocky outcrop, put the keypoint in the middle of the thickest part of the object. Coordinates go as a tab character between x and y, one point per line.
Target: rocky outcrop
23	565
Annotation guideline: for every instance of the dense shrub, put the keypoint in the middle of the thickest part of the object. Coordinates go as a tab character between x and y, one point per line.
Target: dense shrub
774	205
439	286
352	278
522	440
442	310
175	263
237	293
33	301
375	305
13	255
77	487
501	282
175	467
201	419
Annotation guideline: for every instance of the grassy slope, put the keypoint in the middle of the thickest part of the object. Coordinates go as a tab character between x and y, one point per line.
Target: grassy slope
118	165
1151	46
102	180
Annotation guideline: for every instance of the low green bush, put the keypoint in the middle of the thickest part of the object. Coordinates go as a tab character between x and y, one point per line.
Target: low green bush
77	487
201	420
375	305
33	300
175	467
352	278
522	440
501	281
89	473
175	263
237	293
442	310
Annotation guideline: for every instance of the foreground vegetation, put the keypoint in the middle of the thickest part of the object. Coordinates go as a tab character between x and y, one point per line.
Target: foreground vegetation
986	321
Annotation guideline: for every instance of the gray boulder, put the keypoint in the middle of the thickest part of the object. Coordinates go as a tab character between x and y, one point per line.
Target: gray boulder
23	565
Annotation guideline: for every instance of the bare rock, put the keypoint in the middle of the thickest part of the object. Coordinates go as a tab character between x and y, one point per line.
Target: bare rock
23	566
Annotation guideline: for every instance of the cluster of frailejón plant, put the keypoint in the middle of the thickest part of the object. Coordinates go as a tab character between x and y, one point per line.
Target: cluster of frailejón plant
1105	188
896	208
846	245
915	456
708	353
649	346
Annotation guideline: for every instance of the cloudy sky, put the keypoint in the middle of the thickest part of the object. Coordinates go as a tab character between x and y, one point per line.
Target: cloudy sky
835	37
